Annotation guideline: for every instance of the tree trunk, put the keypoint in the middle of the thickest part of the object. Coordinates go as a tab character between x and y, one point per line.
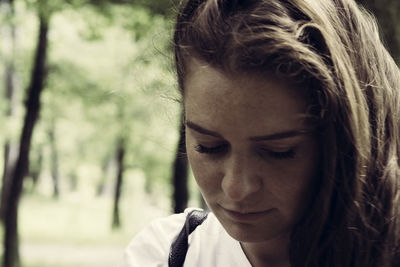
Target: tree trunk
9	147
6	180
73	181
54	159
105	167
35	168
10	158
11	248
116	222
180	173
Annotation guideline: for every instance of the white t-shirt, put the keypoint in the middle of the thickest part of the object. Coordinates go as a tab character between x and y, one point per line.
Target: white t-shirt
209	245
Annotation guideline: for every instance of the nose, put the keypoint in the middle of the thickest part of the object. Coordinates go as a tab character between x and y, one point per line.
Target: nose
240	178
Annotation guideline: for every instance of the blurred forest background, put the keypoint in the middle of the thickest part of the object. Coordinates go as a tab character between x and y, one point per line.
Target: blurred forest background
90	138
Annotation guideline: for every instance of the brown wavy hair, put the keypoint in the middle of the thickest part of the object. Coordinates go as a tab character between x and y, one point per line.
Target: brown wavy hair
334	49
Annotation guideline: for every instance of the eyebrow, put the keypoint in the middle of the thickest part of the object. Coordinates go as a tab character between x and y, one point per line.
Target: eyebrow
275	136
201	130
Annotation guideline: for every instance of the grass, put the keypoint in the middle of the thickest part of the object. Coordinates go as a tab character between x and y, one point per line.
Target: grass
75	230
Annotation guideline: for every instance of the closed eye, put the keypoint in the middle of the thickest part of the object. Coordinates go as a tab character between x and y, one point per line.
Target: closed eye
279	155
222	148
211	150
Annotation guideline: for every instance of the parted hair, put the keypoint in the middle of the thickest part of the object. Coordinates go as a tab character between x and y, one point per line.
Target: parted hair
333	48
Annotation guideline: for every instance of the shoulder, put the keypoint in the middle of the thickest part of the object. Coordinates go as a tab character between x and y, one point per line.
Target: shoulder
211	245
150	247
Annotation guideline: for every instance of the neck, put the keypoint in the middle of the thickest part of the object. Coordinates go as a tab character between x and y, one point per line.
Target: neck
271	253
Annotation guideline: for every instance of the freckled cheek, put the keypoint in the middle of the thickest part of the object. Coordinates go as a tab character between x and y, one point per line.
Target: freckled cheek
295	189
289	179
207	174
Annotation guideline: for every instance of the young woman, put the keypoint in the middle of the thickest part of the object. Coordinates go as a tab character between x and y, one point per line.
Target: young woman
292	113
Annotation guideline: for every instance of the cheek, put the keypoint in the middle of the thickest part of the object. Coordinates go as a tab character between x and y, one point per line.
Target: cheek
294	189
295	185
206	173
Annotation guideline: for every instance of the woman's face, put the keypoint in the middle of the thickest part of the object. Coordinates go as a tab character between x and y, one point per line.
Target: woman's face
249	150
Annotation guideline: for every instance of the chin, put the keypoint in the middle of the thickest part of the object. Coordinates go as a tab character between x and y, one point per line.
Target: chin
252	234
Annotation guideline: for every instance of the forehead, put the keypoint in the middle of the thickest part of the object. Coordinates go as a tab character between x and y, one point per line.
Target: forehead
216	98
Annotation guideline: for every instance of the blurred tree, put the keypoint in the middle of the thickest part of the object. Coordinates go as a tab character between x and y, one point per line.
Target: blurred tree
105	167
36	165
54	158
143	28
180	173
120	155
387	13
93	89
159	7
11	247
10	148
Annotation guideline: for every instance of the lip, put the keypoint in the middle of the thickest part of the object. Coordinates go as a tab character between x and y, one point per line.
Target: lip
246	216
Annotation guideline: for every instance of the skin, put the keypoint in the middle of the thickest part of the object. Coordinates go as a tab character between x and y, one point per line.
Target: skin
256	180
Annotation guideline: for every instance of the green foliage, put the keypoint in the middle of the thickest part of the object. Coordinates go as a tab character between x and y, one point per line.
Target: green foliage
108	77
109	87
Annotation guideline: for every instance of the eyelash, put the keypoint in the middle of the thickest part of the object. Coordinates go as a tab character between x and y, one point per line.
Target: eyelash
289	154
210	150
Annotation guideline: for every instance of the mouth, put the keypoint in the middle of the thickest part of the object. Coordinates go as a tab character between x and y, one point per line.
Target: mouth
246	216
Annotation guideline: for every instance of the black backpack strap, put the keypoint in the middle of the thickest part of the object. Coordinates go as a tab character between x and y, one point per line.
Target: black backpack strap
179	247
